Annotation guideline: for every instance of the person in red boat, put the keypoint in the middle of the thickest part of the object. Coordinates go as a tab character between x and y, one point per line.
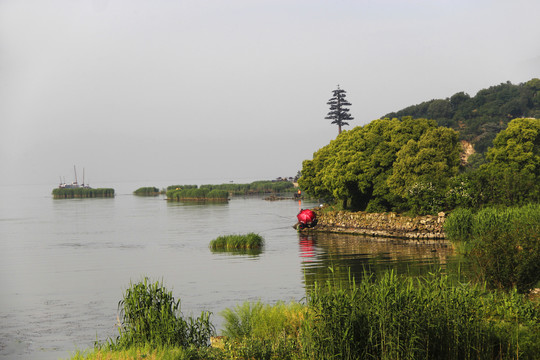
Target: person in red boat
306	219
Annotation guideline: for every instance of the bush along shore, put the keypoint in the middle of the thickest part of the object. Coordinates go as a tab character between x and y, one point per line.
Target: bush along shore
389	317
66	193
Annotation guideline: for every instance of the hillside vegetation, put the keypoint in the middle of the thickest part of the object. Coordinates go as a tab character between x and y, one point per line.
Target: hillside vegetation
481	117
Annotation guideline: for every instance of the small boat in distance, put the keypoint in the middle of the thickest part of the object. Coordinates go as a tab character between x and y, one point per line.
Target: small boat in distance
74	184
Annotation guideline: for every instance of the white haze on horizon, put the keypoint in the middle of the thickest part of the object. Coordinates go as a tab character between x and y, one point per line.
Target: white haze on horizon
216	91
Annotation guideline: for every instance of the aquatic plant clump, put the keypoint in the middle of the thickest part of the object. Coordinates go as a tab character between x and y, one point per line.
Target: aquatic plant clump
69	193
232	242
147	191
196	194
150	315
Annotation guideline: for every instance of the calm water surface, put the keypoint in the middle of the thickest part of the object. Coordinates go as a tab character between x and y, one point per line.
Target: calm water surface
64	264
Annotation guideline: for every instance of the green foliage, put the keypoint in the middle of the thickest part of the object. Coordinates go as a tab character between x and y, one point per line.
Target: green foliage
512	173
147	191
408	318
257	320
259	331
151	316
256	187
504	243
197	194
506	246
230	242
222	191
385	165
69	193
423	169
150	352
180	187
459	224
389	317
480	118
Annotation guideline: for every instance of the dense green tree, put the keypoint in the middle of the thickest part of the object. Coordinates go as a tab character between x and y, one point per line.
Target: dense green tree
423	169
355	167
512	171
339	112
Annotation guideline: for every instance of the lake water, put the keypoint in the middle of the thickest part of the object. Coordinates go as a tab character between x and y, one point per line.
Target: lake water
64	264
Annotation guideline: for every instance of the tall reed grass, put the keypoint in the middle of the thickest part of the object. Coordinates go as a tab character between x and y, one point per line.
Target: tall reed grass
504	243
256	187
391	317
150	315
67	193
196	194
231	242
407	318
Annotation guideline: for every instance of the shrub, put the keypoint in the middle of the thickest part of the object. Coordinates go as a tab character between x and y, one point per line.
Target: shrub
506	246
459	224
151	316
503	243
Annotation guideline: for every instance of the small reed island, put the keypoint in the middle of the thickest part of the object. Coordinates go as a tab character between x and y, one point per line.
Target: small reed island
250	243
196	194
222	192
147	191
82	192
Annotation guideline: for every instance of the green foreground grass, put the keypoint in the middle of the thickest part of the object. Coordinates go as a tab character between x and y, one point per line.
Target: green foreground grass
392	317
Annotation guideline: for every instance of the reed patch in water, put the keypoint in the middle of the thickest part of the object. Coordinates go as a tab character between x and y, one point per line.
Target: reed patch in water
196	194
70	193
232	242
147	191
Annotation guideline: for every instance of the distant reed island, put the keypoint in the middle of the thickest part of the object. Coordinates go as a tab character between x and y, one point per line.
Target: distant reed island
223	192
147	191
197	194
82	192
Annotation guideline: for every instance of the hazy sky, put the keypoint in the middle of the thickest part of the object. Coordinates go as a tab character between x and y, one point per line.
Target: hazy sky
211	91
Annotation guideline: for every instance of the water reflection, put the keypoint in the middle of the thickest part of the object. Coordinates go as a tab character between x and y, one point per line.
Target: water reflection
321	252
252	253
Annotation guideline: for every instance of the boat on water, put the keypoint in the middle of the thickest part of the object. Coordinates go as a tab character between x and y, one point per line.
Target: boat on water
74	184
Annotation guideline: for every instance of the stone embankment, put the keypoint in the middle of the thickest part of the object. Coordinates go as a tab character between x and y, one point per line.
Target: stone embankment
382	224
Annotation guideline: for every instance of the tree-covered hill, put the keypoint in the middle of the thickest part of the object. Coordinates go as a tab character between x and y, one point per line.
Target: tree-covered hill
481	117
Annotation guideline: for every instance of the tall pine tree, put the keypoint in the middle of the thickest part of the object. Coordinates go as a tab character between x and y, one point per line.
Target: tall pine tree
339	113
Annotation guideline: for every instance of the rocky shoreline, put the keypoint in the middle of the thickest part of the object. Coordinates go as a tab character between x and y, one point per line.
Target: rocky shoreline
392	225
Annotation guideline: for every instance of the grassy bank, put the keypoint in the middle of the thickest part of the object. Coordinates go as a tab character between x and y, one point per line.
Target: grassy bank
63	193
391	317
